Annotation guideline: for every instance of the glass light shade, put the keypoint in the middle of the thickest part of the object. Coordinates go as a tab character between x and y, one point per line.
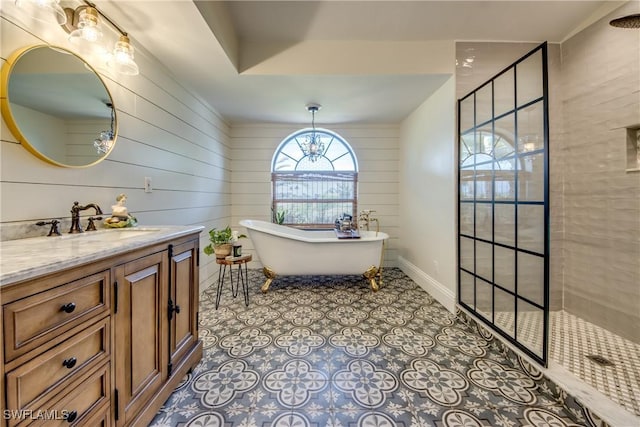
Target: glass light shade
122	58
104	143
44	10
88	32
313	147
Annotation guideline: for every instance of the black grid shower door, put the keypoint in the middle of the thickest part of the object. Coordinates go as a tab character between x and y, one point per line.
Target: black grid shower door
503	203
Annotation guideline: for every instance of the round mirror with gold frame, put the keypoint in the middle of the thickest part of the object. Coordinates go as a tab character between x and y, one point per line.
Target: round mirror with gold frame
57	106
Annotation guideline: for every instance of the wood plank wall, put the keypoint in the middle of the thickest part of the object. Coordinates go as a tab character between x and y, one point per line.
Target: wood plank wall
165	132
376	147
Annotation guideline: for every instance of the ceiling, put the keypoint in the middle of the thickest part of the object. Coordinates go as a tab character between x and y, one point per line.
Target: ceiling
364	61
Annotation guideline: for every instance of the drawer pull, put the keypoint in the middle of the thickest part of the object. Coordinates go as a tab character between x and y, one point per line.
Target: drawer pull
71	416
68	308
69	363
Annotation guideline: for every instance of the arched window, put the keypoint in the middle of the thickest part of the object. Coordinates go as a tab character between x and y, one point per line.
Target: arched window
314	181
493	155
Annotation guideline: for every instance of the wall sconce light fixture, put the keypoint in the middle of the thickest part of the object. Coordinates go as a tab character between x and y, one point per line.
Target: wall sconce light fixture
83	26
85	31
122	57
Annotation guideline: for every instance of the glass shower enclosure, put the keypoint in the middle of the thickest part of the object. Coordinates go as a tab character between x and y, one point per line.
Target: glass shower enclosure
503	203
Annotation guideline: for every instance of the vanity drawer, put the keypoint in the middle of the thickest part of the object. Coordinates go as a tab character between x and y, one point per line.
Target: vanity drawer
32	383
100	417
36	320
86	398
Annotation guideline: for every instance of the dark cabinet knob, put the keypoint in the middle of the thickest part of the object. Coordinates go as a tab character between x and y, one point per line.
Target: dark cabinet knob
69	307
71	416
69	363
176	309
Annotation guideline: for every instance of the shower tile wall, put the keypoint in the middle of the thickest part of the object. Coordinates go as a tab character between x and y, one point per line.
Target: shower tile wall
556	180
601	201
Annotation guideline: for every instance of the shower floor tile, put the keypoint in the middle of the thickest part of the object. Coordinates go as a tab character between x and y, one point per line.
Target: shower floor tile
327	351
573	339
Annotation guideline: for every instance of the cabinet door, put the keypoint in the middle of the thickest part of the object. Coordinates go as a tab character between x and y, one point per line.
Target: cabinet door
140	345
183	333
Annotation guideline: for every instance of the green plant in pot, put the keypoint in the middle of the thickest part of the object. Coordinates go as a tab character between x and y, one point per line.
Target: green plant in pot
221	242
278	217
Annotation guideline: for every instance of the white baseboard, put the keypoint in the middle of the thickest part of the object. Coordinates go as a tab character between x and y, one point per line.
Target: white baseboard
440	292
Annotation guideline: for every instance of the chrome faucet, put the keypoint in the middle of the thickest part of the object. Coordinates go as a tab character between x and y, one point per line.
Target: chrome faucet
75	215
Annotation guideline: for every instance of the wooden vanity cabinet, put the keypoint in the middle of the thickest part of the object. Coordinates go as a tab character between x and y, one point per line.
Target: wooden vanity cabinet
103	343
183	302
140	322
56	333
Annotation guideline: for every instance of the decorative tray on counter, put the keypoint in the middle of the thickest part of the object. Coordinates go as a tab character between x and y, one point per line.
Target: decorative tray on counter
347	234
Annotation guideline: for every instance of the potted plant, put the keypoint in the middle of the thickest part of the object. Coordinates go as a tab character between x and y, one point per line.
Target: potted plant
220	242
278	217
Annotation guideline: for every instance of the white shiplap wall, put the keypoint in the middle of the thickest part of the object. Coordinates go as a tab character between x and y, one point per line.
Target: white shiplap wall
375	146
165	132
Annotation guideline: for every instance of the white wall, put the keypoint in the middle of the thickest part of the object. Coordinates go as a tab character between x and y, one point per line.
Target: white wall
428	195
42	127
165	133
375	147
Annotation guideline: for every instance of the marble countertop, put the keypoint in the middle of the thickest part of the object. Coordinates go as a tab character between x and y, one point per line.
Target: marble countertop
28	258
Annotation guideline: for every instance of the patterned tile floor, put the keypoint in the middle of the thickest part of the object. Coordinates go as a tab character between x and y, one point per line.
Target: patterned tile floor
326	351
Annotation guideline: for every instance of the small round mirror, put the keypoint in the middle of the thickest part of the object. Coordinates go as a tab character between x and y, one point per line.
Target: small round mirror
57	106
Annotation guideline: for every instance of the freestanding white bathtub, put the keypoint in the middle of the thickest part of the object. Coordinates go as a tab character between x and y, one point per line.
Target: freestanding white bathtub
289	251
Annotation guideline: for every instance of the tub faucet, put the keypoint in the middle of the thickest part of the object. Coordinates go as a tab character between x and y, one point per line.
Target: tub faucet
75	215
365	218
